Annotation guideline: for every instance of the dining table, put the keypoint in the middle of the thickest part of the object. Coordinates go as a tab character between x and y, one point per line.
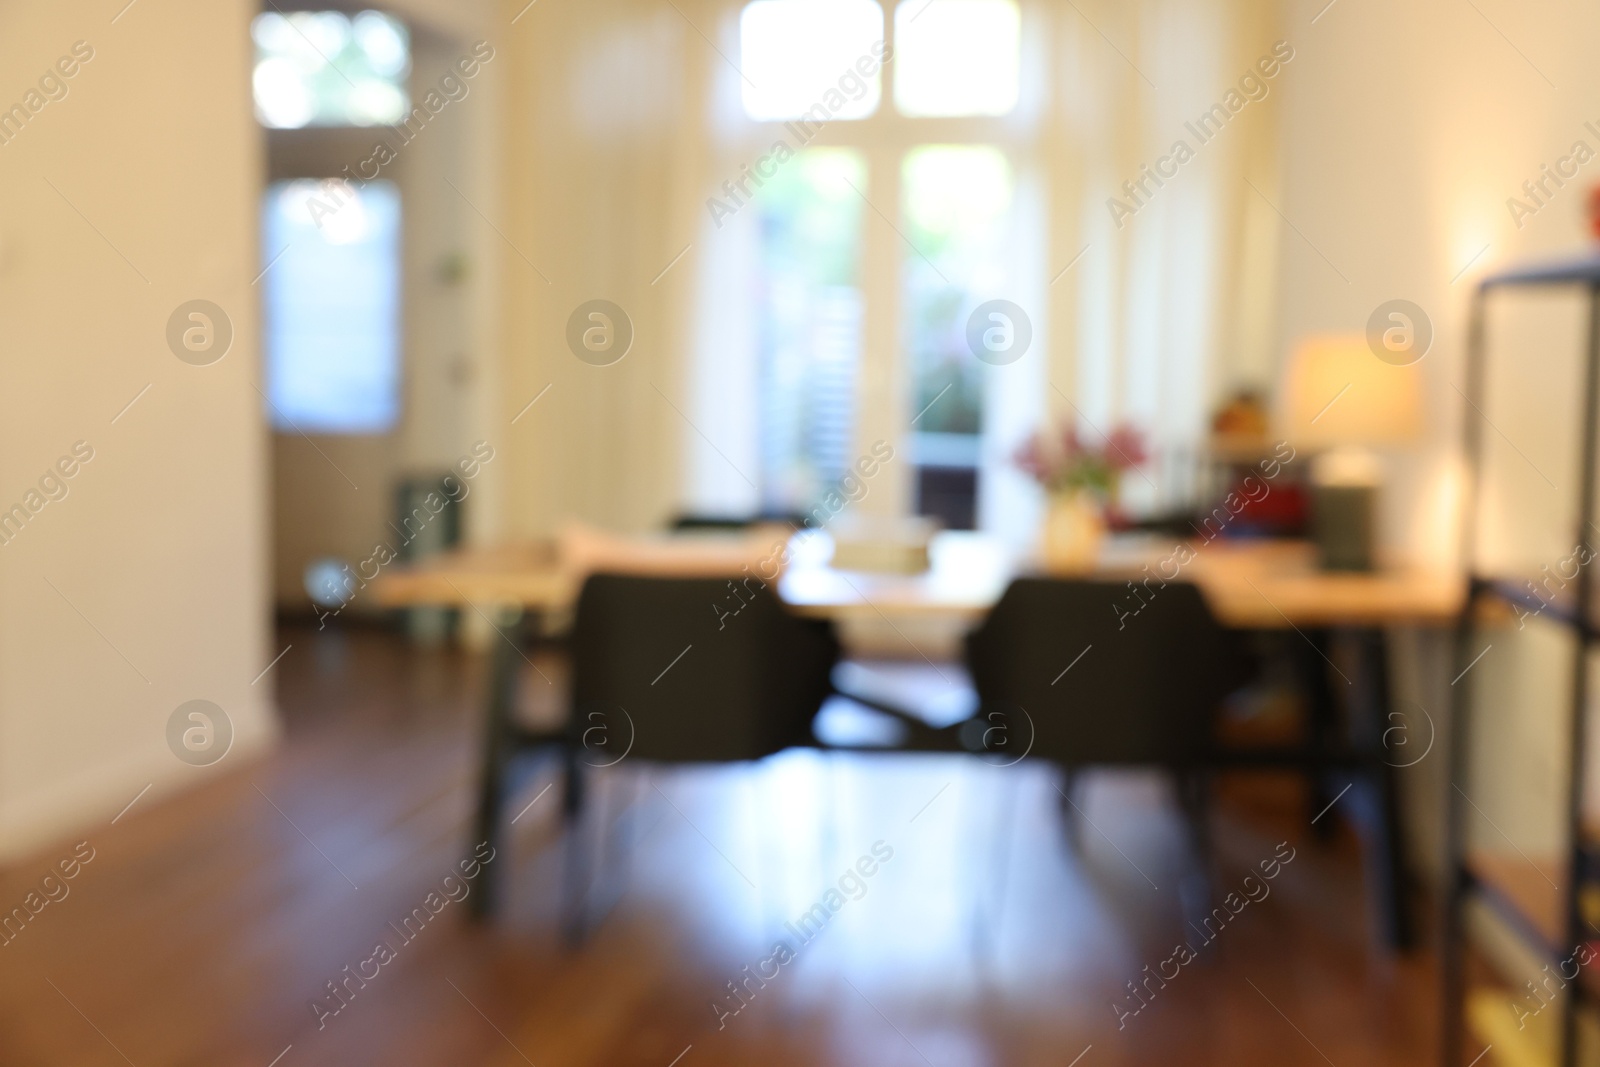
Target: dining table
1340	652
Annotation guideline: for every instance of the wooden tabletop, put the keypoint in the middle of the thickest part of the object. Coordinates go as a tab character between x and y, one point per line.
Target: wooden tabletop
1248	584
527	575
1274	584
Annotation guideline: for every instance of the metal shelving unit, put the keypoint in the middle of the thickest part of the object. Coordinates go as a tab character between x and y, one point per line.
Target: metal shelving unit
1542	906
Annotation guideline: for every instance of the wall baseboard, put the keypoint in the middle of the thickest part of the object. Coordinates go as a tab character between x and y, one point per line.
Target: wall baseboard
90	799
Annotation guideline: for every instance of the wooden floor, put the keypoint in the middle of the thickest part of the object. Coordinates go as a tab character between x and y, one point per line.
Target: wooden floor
206	925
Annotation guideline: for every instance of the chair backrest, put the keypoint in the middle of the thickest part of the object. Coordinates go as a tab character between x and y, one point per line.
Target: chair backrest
1098	683
690	521
679	670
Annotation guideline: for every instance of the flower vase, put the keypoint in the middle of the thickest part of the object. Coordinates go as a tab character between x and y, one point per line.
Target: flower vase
1074	528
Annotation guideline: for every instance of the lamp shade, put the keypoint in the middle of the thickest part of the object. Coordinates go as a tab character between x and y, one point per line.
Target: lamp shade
1337	392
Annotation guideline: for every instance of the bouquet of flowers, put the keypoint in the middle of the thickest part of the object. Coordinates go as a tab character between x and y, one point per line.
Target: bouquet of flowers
1061	461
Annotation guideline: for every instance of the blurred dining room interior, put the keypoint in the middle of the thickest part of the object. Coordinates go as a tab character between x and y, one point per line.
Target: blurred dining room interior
964	533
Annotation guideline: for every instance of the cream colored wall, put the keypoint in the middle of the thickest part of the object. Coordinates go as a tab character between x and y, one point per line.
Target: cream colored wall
613	143
1170	311
146	586
478	351
1405	129
333	495
592	205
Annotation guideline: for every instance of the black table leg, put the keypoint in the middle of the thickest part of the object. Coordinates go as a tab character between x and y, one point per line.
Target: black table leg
502	690
1382	763
1367	698
1312	665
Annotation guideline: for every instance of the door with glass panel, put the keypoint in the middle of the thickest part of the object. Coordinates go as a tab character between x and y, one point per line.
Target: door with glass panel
882	233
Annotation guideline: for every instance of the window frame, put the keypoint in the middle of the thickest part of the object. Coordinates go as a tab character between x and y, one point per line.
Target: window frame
884	138
295	421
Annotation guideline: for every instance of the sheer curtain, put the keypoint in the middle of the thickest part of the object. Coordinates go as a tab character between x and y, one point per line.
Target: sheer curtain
619	127
1168	310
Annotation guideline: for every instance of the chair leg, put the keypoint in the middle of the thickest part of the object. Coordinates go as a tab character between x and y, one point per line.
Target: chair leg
830	841
1194	797
989	918
598	857
1071	789
496	745
627	850
762	790
575	873
614	865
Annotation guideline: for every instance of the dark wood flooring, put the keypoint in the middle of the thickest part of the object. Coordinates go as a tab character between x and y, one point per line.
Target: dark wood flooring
207	923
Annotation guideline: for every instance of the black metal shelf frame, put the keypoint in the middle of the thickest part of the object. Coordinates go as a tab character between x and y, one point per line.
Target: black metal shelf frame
1583	273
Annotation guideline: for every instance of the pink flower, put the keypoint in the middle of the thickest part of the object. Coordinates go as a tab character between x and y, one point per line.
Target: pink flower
1064	461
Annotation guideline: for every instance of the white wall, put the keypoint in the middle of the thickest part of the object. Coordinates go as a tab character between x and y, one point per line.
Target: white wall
616	133
146	585
1405	129
593	203
334	494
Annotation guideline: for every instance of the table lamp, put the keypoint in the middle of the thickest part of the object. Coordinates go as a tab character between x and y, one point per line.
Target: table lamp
1340	403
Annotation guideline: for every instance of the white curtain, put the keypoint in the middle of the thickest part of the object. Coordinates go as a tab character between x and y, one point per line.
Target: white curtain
615	138
1168	312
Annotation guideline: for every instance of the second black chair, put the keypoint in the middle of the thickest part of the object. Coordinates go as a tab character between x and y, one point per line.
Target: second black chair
1087	673
679	670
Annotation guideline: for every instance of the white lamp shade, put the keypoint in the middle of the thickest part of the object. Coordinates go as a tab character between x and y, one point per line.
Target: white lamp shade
1338	392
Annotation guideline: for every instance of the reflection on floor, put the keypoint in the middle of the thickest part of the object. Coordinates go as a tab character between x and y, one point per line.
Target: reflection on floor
208	925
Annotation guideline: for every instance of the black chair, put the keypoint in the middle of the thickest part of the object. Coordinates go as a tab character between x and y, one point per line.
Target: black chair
691	522
1090	673
685	670
706	669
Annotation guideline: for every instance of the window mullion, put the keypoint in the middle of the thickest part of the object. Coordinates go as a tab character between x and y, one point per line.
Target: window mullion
882	381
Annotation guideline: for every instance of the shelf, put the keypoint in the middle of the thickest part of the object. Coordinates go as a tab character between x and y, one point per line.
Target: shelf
1528	896
1534	899
1558	609
1494	1024
1578	270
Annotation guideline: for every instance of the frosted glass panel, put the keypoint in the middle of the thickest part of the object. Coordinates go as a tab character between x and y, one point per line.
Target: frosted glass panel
810	58
957	211
326	68
956	57
810	324
332	303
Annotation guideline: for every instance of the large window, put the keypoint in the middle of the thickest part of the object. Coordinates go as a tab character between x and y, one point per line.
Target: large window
332	306
956	57
956	198
809	324
331	251
901	94
805	50
326	68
